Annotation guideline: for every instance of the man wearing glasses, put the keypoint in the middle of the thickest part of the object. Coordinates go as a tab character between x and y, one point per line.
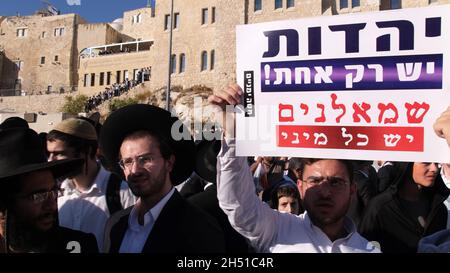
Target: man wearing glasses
140	140
326	188
29	197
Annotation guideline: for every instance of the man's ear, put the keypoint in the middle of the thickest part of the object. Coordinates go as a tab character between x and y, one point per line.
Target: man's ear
352	188
170	163
300	187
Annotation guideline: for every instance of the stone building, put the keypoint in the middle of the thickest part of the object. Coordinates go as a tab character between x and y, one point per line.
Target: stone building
40	51
203	45
67	51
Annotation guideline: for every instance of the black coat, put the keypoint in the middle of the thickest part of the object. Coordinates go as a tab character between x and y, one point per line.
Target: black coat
387	222
365	191
180	228
65	240
207	200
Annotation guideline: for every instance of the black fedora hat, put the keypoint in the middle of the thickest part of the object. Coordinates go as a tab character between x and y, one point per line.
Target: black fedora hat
14	122
21	152
136	117
206	159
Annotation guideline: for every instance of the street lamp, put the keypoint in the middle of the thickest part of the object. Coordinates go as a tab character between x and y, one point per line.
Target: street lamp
170	58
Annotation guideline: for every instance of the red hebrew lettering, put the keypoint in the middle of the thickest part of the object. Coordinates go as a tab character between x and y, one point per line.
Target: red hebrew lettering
361	111
414	109
385	107
337	106
285	112
305	108
322	116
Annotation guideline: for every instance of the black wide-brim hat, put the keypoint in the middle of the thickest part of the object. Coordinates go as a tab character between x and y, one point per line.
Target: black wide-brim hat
206	159
137	117
21	152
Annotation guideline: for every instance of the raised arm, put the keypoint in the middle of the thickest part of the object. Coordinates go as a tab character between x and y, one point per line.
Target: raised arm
442	125
235	188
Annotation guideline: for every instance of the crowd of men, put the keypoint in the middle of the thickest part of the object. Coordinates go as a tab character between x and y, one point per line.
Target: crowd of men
117	90
130	186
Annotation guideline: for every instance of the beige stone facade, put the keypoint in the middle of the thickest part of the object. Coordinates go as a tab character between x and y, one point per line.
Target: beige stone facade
1	64
203	45
41	52
193	39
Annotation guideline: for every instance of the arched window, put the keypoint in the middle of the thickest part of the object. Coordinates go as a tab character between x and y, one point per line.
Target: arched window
182	62
204	65
212	59
173	64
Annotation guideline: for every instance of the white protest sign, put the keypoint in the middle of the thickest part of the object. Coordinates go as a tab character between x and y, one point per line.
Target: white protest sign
360	86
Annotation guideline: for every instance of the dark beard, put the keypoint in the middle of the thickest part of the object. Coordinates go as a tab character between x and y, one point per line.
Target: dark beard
23	239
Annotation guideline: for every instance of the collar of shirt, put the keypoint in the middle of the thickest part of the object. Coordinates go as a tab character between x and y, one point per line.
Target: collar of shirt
444	178
150	216
349	226
99	185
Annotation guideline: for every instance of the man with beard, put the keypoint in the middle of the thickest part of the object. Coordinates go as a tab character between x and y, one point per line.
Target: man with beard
139	139
92	196
326	187
29	197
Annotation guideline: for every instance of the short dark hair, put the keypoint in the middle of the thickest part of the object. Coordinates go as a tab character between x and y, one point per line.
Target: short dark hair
163	145
284	190
295	163
80	145
347	163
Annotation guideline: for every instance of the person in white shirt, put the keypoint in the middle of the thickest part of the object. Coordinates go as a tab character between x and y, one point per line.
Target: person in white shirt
326	189
85	203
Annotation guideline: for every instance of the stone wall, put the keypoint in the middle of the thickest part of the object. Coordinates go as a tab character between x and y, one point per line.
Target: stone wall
21	104
144	29
42	123
47	58
1	65
90	35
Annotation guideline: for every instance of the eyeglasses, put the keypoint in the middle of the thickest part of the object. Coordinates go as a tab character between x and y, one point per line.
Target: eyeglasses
143	161
336	183
40	197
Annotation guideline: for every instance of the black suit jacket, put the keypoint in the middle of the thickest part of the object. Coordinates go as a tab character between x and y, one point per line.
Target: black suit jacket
207	200
180	228
65	240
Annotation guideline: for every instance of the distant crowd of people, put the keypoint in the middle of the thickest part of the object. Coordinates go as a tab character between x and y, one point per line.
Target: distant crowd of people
117	90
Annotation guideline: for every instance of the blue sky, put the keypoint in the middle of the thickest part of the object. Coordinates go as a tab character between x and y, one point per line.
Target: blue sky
91	10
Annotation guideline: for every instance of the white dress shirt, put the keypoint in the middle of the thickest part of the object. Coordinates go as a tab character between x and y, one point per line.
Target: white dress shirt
269	230
136	234
446	202
87	210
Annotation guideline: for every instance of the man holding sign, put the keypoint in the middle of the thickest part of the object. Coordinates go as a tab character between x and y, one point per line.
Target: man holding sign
326	189
360	86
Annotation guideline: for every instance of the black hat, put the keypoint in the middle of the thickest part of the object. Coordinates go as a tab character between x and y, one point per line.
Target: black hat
136	117
21	152
14	122
206	159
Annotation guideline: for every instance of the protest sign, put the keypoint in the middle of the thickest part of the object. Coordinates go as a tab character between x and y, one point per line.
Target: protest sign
359	86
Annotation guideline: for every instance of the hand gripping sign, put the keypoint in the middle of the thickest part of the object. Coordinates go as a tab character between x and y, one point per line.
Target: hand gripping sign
361	86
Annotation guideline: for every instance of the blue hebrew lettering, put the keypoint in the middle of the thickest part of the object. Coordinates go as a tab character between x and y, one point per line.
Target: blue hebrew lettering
273	48
351	35
406	35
